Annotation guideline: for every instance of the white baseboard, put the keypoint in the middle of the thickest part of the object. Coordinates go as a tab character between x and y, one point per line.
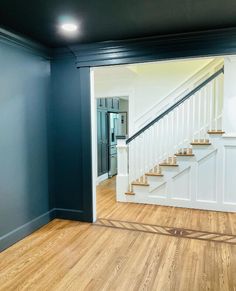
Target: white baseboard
102	178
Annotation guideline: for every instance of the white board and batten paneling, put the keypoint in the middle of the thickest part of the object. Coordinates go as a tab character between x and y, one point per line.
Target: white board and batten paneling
205	181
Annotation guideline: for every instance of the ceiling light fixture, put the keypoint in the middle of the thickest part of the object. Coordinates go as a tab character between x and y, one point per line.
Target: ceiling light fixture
69	27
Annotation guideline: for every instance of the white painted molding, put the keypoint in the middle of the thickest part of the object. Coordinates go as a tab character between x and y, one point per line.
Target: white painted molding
229	135
231	58
102	178
94	143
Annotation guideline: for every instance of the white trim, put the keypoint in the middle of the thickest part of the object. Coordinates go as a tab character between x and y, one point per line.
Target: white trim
102	178
94	143
231	58
229	135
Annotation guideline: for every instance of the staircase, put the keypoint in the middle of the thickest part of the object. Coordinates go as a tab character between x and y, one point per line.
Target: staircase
178	159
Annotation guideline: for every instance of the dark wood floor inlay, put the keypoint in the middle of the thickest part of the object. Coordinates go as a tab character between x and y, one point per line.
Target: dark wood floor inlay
166	230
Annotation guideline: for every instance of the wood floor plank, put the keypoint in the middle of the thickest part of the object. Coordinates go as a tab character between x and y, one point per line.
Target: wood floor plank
211	221
70	255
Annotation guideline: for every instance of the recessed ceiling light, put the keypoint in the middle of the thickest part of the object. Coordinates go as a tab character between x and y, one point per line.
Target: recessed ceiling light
69	27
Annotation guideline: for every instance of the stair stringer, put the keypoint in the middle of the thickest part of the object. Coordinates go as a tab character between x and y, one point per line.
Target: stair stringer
198	182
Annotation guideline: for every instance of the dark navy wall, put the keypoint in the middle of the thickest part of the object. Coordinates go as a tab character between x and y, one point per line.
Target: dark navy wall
71	134
24	94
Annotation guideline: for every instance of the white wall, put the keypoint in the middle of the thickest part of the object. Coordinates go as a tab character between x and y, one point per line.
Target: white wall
145	84
229	115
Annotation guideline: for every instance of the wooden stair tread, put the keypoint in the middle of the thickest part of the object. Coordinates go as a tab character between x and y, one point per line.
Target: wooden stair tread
129	193
200	143
184	155
168	165
140	184
154	174
215	132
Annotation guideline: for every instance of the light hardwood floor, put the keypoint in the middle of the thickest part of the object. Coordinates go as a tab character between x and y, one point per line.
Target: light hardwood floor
69	255
212	221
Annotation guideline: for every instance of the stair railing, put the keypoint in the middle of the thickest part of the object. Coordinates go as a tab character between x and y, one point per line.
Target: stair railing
188	119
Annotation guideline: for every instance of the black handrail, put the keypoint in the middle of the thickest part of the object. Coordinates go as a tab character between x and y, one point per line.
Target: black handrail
175	105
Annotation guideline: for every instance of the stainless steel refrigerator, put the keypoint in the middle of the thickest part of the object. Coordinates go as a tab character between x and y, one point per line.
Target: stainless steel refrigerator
117	125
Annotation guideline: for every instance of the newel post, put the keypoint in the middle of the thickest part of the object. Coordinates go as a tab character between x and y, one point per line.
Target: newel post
122	178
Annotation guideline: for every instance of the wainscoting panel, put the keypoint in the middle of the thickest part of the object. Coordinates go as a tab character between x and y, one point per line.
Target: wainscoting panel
160	191
229	174
181	185
206	178
205	181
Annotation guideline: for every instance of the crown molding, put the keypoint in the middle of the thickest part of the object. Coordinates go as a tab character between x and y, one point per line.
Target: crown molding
195	44
217	42
26	44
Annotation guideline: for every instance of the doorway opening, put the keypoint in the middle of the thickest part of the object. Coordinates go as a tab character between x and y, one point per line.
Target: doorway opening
125	99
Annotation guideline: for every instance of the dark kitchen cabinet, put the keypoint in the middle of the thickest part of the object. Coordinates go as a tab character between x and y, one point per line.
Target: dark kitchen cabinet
109	104
102	136
116	105
112	104
102	103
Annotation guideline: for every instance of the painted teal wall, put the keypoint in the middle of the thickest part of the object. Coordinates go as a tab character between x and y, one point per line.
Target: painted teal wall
70	146
65	125
45	141
24	95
